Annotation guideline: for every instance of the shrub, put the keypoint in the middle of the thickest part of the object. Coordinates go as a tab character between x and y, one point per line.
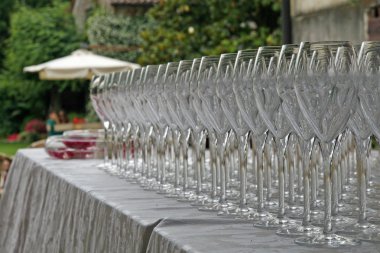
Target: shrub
35	126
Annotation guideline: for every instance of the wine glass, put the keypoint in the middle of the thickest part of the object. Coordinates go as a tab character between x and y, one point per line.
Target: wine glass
368	90
99	109
270	108
212	70
285	88
178	98
246	102
326	98
229	90
189	102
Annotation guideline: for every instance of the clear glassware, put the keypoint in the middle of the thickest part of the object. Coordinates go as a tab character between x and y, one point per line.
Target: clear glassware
188	104
226	85
166	96
368	90
285	88
270	108
246	102
326	98
179	97
211	71
99	109
106	104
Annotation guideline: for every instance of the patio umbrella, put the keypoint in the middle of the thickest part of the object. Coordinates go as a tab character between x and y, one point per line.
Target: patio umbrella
79	64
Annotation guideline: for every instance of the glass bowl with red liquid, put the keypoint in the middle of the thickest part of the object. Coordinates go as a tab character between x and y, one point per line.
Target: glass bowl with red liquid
82	139
74	147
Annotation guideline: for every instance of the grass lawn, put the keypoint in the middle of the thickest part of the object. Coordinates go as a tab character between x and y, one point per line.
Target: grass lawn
11	148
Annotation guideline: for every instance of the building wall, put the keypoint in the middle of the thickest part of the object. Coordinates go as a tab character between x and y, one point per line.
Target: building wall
330	20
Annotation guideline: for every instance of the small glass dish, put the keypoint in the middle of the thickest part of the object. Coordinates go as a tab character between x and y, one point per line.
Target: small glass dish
75	147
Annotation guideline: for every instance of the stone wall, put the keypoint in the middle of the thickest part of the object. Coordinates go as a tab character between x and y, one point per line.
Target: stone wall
330	20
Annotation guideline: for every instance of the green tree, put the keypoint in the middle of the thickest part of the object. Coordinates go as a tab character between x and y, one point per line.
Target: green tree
36	35
6	6
116	36
184	29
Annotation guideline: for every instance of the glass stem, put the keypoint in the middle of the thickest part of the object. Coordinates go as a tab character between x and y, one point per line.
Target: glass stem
362	145
299	166
184	151
313	181
198	136
281	148
254	161
327	154
242	150
177	147
222	143
162	152
136	149
148	150
113	144
213	163
106	146
291	163
260	144
307	148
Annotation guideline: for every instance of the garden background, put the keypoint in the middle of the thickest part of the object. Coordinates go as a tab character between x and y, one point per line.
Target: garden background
35	31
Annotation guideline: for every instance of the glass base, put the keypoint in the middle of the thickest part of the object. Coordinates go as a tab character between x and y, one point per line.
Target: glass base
294	212
357	228
298	230
225	209
148	183
354	211
233	194
174	193
186	196
337	220
272	223
211	205
242	213
104	166
327	241
257	216
199	200
164	189
133	177
372	236
374	220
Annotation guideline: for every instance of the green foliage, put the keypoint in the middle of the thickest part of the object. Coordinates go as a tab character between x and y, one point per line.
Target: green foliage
6	7
183	29
39	35
116	36
36	35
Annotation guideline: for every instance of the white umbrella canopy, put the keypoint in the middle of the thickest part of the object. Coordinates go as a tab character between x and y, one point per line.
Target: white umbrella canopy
79	64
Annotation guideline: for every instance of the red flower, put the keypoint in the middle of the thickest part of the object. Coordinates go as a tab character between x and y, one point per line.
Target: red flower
13	137
77	120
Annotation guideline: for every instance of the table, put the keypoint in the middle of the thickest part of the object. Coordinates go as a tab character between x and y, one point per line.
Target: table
71	206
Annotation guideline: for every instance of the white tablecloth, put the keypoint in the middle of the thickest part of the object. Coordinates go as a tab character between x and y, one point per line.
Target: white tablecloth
71	206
